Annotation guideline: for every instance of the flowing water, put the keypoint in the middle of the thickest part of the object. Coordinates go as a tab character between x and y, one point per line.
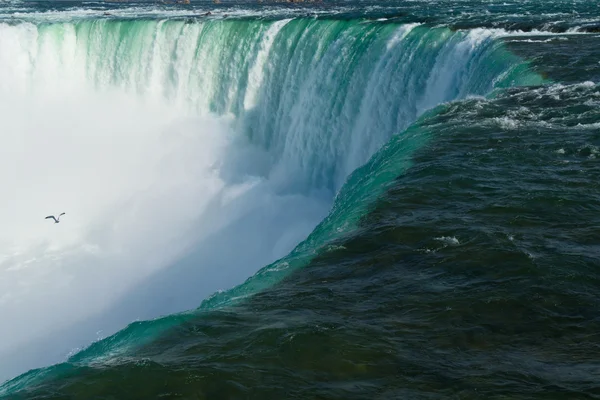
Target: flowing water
332	200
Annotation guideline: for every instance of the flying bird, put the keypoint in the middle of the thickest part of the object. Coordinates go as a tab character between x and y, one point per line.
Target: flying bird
56	220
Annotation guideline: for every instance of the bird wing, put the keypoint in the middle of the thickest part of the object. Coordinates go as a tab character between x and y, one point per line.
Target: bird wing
50	216
61	215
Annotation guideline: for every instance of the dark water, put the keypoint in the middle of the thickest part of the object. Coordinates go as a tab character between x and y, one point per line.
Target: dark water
474	275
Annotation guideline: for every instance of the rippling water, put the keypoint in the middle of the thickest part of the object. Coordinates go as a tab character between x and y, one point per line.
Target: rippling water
437	163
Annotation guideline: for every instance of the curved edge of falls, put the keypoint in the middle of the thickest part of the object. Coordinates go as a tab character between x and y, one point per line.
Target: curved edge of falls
327	104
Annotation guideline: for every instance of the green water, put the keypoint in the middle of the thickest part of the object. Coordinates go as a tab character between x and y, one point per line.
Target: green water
458	257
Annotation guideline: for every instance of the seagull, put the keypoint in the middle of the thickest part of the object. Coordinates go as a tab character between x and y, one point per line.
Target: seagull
56	220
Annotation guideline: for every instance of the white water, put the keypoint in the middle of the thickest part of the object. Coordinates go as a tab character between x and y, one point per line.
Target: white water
143	184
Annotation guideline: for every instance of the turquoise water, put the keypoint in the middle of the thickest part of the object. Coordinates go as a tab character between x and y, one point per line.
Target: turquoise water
432	170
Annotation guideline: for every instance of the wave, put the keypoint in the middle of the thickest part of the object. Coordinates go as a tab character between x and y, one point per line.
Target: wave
222	145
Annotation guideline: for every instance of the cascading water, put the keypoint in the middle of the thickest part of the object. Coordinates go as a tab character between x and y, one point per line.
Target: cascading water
188	155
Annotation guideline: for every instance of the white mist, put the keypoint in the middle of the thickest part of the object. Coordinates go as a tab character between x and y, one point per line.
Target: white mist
161	211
